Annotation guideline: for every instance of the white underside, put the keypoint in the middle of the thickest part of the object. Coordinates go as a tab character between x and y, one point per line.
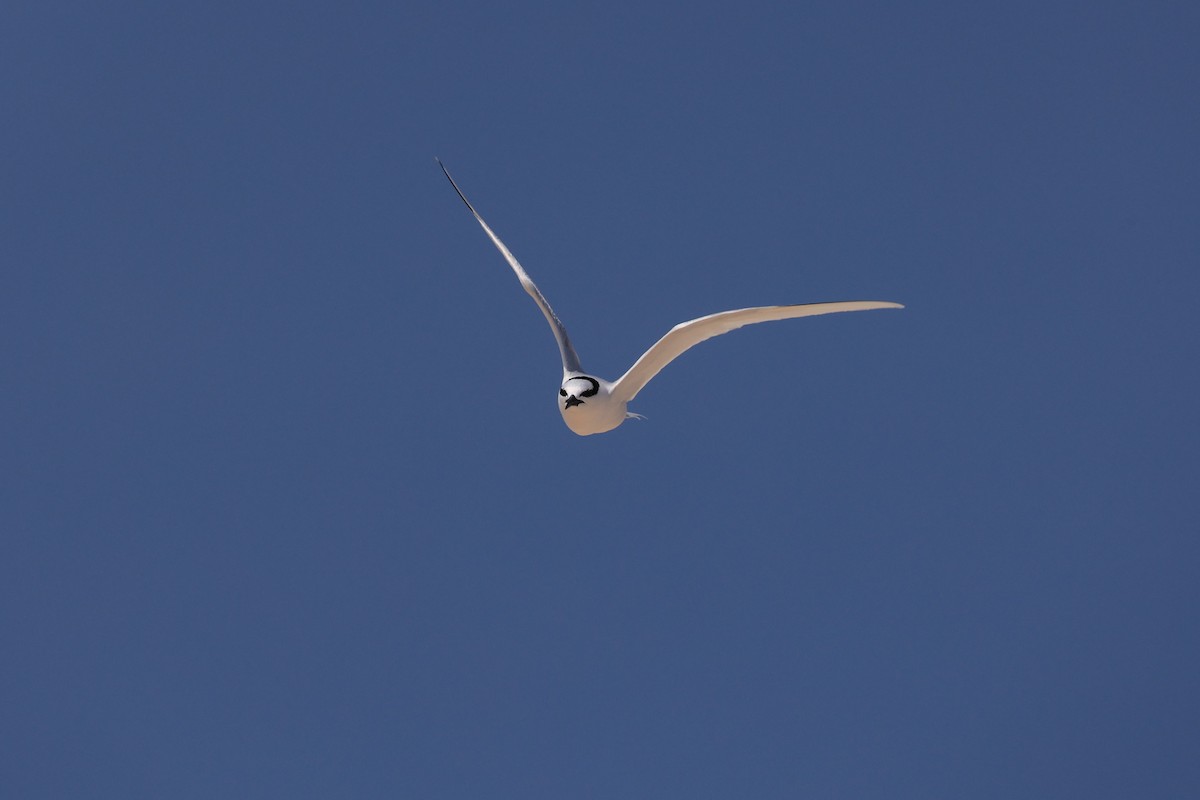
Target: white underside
598	414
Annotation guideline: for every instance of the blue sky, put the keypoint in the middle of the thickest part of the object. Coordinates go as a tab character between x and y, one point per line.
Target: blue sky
287	507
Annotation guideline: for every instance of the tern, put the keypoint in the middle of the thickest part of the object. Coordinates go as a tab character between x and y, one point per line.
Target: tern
590	404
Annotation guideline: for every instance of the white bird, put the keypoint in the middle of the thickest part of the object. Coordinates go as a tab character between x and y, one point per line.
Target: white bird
593	405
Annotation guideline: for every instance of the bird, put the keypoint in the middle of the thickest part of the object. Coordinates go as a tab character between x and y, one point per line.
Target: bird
590	404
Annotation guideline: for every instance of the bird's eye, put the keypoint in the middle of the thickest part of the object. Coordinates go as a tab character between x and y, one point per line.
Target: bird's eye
562	392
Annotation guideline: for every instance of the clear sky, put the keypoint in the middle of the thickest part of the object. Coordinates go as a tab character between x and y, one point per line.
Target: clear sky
287	508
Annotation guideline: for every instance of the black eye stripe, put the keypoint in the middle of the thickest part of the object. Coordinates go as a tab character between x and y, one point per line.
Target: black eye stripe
589	393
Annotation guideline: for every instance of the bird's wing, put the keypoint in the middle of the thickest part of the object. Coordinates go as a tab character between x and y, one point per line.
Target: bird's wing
570	359
688	334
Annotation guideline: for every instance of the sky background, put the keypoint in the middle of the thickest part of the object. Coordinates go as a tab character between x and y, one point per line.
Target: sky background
287	508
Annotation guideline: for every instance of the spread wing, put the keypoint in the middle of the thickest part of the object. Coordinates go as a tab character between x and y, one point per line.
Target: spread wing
688	334
570	359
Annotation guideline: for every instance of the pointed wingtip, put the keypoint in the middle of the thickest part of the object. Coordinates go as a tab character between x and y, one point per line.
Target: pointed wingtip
446	172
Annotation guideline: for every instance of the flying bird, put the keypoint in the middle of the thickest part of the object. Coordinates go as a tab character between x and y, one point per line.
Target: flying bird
590	404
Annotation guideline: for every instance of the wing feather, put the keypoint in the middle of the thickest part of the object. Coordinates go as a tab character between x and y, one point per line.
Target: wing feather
570	359
689	334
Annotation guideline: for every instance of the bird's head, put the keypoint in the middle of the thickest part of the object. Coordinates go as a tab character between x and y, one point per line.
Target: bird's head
576	390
